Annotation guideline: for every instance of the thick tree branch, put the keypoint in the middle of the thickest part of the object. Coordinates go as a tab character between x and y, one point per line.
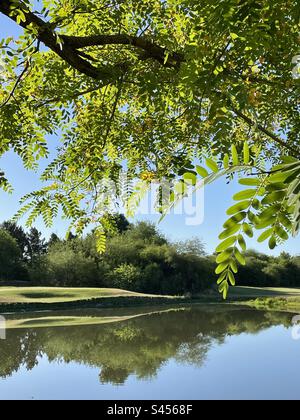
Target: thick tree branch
69	54
67	47
151	50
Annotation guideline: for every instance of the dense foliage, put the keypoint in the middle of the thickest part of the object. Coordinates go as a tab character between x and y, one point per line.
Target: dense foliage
10	257
18	251
138	258
155	84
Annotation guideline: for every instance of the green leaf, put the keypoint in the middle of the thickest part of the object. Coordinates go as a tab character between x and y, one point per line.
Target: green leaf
265	235
235	156
202	171
231	278
273	197
230	231
190	178
226	244
256	204
246	153
252	182
244	195
252	217
225	290
243	205
278	186
240	257
233	266
221	267
235	219
281	233
100	240
272	242
285	221
226	161
262	224
212	165
268	213
224	256
222	277
242	243
248	230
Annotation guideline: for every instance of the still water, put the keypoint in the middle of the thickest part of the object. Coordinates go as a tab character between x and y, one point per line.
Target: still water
198	352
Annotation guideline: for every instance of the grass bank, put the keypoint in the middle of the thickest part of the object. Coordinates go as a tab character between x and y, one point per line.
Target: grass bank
268	298
31	299
19	299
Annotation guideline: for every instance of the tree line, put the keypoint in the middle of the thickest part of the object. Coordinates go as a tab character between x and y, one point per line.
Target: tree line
138	257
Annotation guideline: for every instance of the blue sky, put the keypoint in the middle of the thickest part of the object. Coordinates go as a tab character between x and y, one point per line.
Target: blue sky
216	200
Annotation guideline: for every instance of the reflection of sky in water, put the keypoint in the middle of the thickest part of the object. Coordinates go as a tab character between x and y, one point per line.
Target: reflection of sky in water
259	361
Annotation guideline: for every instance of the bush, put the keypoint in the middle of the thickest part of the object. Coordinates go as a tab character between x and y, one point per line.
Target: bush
126	276
64	266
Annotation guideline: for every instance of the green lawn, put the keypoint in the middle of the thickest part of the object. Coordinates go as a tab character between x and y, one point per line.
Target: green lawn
270	298
40	295
16	299
240	292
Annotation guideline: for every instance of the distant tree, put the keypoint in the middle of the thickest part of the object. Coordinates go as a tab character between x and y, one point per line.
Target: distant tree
18	233
285	256
53	240
146	232
37	245
192	246
122	223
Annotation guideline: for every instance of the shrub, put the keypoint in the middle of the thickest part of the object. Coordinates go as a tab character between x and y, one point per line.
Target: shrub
126	276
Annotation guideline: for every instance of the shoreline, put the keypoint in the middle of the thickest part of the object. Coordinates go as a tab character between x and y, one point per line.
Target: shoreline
102	303
24	300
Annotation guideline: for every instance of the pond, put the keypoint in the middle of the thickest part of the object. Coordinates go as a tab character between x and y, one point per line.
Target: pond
193	352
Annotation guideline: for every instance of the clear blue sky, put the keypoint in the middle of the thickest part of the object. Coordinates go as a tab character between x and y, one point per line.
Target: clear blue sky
217	197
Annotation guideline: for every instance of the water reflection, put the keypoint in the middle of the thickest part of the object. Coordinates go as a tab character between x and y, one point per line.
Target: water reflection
140	345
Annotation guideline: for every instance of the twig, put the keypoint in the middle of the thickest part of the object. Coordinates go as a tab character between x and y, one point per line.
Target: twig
295	152
16	85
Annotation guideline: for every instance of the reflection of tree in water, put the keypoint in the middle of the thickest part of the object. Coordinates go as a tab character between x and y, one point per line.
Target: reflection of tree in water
139	346
114	376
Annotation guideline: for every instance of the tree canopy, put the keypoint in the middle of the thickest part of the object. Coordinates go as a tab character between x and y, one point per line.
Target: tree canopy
151	86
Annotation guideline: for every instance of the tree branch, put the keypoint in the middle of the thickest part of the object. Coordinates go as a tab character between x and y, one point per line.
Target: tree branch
16	85
48	36
276	139
150	49
67	47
